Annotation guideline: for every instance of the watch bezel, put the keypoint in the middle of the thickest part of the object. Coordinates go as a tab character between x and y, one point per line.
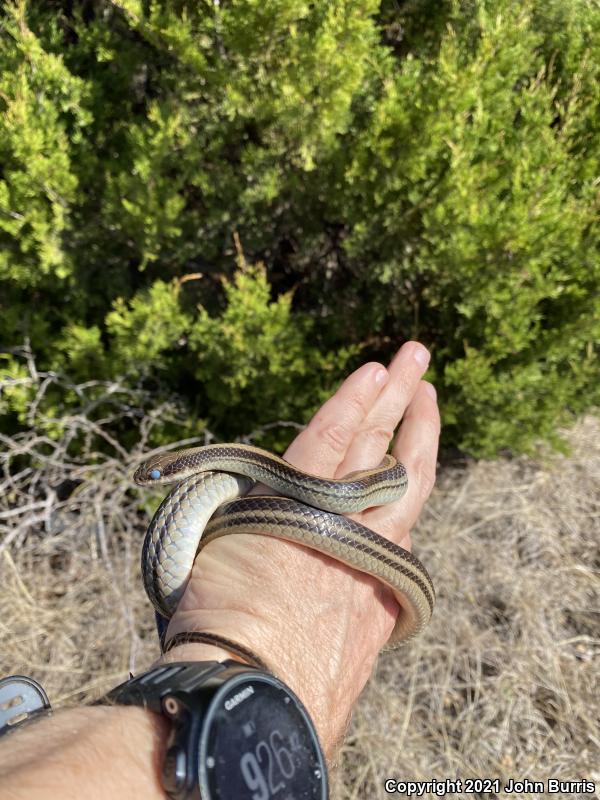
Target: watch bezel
211	709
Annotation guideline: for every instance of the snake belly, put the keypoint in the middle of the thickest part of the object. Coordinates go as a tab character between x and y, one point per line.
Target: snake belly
208	502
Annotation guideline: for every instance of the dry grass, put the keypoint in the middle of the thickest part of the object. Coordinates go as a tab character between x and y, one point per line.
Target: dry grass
505	683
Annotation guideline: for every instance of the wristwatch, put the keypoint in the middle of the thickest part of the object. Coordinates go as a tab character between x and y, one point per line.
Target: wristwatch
237	733
21	699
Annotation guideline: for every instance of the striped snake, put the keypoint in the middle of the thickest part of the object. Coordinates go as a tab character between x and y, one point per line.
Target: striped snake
208	502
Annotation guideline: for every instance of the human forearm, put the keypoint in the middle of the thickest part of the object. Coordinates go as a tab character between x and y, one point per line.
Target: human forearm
94	752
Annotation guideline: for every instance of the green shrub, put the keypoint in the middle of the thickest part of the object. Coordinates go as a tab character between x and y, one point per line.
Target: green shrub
403	170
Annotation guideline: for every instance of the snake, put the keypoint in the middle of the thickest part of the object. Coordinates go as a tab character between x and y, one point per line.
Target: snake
209	500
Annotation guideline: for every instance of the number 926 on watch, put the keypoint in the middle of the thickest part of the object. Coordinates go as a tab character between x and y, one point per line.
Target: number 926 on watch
259	743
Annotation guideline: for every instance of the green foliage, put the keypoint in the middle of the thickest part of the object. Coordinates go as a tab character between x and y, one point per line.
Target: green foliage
41	114
16	393
482	213
144	330
410	169
267	368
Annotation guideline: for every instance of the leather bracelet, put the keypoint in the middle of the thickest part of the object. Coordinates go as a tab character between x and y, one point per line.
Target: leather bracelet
200	637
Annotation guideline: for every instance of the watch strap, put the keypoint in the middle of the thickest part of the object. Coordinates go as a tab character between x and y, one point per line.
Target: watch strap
203	637
150	688
181	679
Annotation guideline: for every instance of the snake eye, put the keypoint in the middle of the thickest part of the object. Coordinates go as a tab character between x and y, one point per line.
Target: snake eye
155	474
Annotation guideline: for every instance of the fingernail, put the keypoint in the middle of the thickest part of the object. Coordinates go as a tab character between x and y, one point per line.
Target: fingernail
381	376
430	389
421	355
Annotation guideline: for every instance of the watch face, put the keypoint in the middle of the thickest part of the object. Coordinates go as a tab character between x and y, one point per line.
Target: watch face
258	743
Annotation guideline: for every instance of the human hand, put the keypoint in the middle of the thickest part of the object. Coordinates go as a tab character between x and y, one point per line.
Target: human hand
317	622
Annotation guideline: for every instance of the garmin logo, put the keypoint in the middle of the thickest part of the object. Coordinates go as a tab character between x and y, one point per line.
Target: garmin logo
238	698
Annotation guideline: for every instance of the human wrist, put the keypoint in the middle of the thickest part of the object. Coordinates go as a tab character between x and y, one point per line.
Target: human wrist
322	646
326	697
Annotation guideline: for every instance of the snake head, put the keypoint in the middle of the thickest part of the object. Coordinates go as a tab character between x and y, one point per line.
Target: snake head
175	465
154	471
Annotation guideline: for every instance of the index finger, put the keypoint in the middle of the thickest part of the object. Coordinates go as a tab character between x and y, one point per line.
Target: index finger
322	446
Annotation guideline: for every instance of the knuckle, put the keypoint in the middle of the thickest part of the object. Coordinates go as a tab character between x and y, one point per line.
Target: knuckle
425	474
336	437
390	528
391	522
378	435
429	426
357	406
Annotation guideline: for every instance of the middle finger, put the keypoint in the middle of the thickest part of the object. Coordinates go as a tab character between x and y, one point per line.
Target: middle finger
373	436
